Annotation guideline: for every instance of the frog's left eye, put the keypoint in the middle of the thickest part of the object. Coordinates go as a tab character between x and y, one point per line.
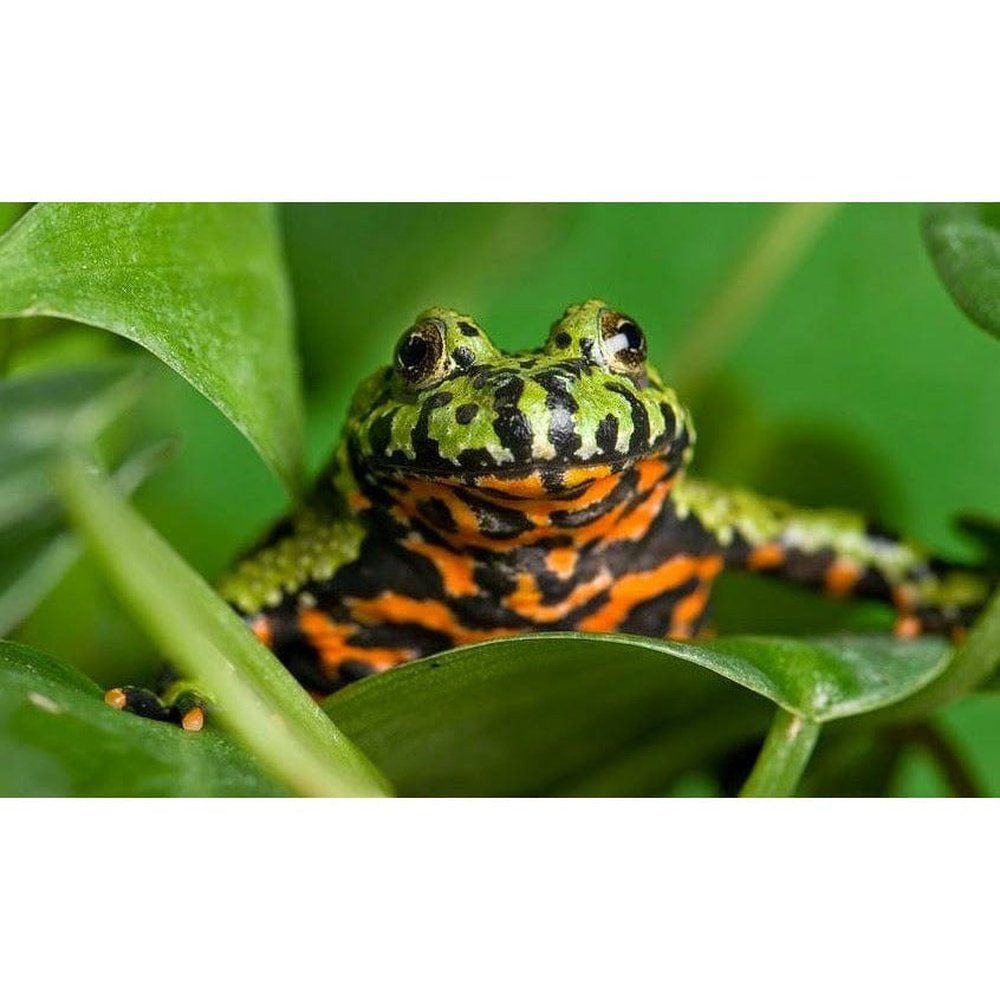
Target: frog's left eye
420	354
624	343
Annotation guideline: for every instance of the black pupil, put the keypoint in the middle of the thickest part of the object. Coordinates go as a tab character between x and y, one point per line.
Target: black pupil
632	335
413	352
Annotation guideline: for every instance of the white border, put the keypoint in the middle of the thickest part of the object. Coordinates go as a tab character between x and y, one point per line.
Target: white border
537	100
518	898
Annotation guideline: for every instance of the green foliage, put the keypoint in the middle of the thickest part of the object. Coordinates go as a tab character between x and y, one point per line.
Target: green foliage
57	737
964	242
200	286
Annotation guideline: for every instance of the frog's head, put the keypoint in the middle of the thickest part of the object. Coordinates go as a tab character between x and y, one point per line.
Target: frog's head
454	407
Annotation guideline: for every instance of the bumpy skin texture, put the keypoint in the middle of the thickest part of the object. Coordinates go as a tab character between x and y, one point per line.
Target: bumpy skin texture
479	494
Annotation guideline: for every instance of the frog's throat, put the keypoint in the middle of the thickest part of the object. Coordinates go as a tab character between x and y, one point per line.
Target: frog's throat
595	504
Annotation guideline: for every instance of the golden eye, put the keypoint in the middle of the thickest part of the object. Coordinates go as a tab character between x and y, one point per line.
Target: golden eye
420	355
624	342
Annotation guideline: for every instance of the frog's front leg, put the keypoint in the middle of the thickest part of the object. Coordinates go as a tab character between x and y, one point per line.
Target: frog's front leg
837	552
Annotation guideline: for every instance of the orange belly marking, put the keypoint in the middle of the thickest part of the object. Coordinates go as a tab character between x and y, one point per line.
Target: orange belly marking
330	640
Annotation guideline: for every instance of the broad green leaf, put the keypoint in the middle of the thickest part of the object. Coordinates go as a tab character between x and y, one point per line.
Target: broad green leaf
964	243
255	696
617	715
57	737
201	286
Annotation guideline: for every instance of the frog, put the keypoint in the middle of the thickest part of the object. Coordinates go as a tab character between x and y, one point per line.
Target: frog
478	493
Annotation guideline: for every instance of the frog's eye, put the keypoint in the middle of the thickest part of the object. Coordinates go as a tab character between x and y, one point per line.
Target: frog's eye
624	343
420	354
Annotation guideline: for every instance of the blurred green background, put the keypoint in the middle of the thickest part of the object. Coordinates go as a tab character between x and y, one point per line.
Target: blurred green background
856	382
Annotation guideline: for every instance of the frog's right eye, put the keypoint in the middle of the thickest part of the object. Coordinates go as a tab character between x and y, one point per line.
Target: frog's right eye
420	354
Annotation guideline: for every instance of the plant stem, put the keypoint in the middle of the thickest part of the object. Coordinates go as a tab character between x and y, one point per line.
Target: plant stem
784	756
772	255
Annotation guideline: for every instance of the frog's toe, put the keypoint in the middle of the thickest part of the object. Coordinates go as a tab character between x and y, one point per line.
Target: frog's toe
186	710
138	701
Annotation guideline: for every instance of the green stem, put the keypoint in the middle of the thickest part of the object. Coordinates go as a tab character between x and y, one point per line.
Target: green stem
784	756
788	235
197	631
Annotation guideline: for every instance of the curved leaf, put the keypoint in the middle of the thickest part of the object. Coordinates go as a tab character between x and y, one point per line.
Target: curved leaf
57	737
567	713
964	243
201	286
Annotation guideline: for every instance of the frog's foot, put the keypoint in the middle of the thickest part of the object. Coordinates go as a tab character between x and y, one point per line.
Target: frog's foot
954	623
180	705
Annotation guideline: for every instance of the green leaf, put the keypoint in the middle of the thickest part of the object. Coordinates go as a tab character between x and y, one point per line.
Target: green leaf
618	715
964	243
827	678
57	737
255	696
201	286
